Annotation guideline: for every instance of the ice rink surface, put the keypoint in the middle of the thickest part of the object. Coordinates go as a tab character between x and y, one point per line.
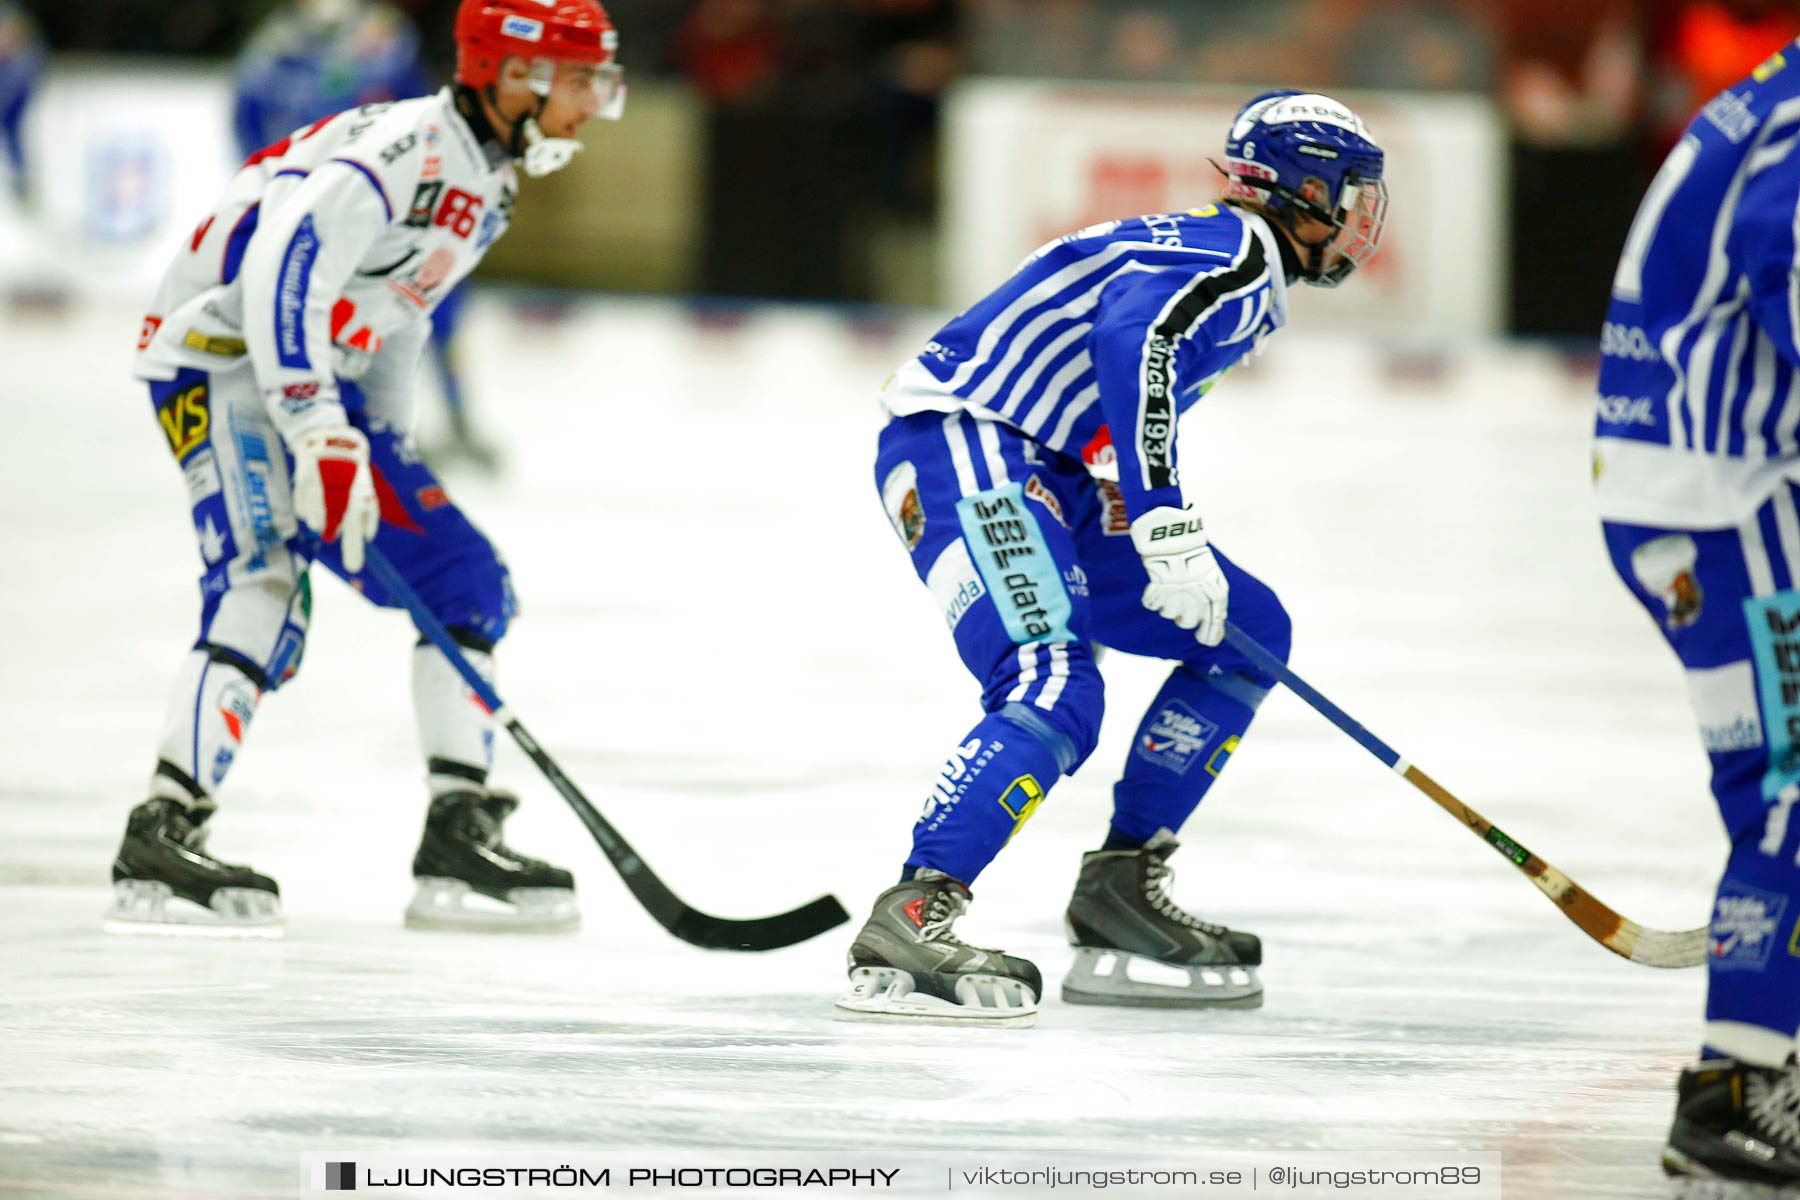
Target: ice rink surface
722	641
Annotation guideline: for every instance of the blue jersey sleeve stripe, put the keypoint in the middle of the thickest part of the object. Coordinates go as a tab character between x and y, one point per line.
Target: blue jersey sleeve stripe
374	182
238	243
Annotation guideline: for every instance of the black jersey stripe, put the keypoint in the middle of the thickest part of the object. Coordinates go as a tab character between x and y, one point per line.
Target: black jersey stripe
1208	290
1157	410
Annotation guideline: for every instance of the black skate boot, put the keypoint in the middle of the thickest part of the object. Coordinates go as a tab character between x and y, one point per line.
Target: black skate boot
907	964
164	881
1122	911
469	879
1738	1122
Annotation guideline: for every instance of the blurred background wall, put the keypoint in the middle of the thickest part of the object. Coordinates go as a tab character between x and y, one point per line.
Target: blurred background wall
864	150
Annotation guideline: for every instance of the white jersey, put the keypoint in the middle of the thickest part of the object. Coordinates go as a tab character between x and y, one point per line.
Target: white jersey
326	256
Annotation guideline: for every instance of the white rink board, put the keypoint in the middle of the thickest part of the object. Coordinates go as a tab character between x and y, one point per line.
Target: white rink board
764	729
1026	161
126	158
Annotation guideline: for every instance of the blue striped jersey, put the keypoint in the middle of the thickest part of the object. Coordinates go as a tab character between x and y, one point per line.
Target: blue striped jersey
1101	339
1698	414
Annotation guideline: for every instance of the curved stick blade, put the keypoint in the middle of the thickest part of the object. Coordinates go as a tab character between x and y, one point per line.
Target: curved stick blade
760	933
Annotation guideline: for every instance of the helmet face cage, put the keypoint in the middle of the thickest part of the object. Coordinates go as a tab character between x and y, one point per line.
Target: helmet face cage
608	83
1360	220
1283	141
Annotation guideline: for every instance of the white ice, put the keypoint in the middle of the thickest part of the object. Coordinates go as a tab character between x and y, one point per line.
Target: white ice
723	642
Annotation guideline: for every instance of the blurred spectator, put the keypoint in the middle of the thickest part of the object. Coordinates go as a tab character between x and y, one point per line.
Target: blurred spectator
1705	46
1144	45
21	67
1574	72
730	50
313	58
1427	45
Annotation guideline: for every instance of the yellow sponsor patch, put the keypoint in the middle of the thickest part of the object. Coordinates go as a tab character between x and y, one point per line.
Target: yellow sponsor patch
1771	66
1021	799
1221	756
224	347
186	419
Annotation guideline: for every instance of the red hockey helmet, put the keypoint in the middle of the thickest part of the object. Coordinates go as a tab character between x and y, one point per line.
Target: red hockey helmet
490	31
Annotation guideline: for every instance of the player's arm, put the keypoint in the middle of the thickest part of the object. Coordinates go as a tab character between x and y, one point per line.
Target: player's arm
1146	349
1762	243
295	270
302	256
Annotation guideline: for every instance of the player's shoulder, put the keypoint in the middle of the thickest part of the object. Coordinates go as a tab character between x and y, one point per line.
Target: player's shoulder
1743	114
1209	235
390	135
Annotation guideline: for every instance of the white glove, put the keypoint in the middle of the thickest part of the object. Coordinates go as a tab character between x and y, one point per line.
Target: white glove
334	493
1186	585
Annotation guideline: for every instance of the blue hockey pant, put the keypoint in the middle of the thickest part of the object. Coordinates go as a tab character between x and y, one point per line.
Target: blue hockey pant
1728	602
1031	564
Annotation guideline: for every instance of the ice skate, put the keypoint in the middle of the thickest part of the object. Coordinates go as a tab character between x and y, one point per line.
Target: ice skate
1738	1122
907	964
164	881
468	879
1129	935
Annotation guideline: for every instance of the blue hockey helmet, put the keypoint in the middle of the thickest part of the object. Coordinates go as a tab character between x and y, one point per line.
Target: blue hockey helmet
1302	156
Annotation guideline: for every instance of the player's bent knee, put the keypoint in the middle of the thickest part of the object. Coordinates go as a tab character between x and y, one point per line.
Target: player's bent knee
1247	690
475	601
1068	752
1059	700
258	627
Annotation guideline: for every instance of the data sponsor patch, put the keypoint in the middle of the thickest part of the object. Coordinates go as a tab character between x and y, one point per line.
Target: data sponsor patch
1176	738
1744	927
1015	562
1774	623
954	583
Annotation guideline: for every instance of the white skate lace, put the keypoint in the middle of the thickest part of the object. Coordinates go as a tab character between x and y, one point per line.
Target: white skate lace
1157	879
1774	1100
941	912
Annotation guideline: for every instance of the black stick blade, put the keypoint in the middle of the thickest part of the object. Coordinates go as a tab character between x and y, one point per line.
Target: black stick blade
759	933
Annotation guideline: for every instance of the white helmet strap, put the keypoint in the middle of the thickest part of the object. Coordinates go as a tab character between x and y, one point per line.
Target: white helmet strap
546	155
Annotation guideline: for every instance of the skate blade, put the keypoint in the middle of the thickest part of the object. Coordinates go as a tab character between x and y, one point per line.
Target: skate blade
452	906
1694	1180
885	994
1103	977
144	908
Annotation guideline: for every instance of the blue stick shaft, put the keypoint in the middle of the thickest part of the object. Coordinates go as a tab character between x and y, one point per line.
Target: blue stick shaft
430	626
1268	663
